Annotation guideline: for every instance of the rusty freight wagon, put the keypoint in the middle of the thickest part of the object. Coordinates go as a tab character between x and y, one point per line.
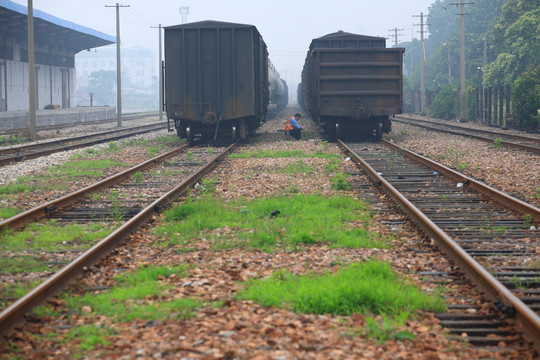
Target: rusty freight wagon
352	83
216	79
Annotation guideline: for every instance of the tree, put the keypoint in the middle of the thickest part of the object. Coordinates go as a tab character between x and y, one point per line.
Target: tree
103	84
446	104
526	99
502	71
522	38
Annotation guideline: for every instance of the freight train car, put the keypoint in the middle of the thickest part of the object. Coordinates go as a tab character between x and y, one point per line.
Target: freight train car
352	83
279	92
216	79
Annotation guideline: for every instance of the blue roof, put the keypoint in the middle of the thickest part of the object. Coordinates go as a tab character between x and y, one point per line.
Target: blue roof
55	30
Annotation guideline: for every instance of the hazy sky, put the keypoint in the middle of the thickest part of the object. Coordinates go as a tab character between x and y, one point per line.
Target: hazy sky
286	26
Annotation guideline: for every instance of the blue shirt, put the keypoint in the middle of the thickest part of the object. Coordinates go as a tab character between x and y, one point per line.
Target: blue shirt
294	123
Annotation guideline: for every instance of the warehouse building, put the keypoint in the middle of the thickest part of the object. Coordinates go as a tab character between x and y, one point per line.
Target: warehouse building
56	43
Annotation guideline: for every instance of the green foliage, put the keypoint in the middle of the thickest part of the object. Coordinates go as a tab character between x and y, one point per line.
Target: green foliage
15	188
371	286
498	143
89	336
20	264
387	328
138	177
298	168
527	219
526	99
7	212
52	236
125	302
339	182
117	213
446	102
303	219
502	71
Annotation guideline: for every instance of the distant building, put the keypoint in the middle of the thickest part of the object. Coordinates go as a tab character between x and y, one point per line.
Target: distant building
56	43
138	67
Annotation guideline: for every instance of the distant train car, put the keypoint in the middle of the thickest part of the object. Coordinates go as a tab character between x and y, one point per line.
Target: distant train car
352	83
279	92
216	79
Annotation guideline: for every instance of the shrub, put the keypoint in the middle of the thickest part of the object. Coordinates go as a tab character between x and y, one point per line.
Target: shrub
526	99
446	102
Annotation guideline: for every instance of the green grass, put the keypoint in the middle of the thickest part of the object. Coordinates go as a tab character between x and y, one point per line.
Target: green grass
89	336
14	291
369	287
52	236
125	302
387	328
282	154
14	265
303	219
297	168
339	183
87	168
6	213
15	188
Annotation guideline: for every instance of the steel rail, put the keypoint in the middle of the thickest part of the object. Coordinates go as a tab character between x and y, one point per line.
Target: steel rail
454	126
127	132
45	209
511	202
463	132
526	319
21	148
126	117
15	312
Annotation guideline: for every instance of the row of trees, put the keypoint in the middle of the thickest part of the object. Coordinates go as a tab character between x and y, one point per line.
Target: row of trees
502	48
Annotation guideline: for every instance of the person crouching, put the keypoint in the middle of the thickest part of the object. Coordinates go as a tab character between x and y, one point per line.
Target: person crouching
292	128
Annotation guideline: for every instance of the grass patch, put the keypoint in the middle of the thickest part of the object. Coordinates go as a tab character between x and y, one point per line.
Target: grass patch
87	168
14	265
89	336
339	182
387	328
15	188
302	219
6	213
126	301
371	287
281	154
52	236
9	292
297	168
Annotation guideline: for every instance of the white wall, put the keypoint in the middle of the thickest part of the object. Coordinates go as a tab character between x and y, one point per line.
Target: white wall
17	86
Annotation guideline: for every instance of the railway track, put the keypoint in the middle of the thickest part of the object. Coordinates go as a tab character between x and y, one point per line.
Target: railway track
32	151
469	221
526	143
120	201
126	117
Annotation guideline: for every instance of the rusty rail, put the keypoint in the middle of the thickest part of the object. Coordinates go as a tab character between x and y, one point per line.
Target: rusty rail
526	319
20	153
15	312
467	132
66	200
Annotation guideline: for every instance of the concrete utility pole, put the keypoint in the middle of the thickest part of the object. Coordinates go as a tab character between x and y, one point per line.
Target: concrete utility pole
449	67
395	35
31	72
422	56
160	75
118	67
462	89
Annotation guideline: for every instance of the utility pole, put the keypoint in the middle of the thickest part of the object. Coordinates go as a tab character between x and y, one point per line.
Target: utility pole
160	75
396	35
118	67
462	58
31	72
449	67
422	55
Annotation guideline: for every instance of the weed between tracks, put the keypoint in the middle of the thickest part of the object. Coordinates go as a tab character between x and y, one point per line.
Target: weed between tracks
267	224
282	154
52	237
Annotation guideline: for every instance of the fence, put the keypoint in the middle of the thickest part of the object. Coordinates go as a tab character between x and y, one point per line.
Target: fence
491	105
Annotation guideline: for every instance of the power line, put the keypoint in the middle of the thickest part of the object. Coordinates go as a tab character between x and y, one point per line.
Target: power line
396	35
